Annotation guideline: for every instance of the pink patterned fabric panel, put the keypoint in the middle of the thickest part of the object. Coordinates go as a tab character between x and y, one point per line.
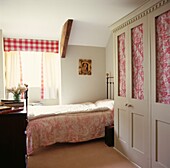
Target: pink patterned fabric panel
121	66
163	58
137	63
67	128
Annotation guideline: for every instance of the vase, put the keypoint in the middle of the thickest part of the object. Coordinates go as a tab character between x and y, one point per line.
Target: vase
17	97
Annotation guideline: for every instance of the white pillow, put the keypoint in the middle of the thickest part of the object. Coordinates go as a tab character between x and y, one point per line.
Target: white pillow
105	103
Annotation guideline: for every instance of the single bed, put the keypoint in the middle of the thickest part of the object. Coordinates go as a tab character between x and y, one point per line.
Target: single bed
86	123
67	123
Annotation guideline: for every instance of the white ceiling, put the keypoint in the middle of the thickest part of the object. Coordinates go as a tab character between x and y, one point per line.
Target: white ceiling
43	19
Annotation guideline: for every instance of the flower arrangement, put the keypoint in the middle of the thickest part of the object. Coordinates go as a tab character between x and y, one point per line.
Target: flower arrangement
17	91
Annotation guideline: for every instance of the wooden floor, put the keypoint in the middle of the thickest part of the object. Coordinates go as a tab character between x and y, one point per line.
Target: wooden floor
92	154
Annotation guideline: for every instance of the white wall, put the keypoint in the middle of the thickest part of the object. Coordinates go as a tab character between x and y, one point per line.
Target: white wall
109	57
110	64
2	72
77	88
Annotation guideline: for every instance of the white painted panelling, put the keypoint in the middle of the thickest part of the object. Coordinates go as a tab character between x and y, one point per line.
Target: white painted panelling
162	144
138	132
123	126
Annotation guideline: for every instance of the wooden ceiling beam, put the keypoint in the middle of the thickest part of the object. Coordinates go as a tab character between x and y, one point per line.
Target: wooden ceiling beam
65	37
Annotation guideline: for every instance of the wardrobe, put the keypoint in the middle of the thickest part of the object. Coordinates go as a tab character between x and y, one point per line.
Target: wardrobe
141	44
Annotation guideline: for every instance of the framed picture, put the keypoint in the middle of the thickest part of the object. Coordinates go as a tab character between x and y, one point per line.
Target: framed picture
85	67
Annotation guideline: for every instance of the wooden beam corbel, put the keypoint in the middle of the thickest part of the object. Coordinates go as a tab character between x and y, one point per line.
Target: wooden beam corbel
65	37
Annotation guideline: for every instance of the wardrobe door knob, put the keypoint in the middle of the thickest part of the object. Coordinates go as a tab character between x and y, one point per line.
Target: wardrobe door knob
129	105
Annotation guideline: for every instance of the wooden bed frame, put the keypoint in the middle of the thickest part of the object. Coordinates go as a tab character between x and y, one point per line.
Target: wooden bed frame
110	86
26	96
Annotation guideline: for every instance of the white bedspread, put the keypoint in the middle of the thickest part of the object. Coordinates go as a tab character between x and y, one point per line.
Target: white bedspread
43	111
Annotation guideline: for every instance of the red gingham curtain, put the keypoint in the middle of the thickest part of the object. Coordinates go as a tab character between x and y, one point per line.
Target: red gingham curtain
12	44
21	76
42	78
20	63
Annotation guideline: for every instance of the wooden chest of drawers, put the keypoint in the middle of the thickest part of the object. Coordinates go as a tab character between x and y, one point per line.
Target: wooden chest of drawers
13	139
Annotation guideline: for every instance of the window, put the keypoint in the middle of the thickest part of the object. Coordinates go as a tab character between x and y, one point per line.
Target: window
40	70
31	68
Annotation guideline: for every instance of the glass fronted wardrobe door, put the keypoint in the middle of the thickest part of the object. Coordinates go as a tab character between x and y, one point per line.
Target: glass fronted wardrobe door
121	115
161	87
138	104
131	92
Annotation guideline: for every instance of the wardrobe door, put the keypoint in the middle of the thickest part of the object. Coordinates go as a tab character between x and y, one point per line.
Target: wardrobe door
160	52
121	115
131	93
138	105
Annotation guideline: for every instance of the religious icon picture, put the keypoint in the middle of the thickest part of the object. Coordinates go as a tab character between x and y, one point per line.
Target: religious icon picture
85	66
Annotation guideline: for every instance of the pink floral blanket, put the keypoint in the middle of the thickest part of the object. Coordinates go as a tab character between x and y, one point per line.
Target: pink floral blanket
46	129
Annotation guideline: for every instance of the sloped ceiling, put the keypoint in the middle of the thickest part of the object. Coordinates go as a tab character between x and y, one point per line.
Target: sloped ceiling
43	19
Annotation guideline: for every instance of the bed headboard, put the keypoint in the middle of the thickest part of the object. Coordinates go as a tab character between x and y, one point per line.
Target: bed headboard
26	96
110	86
